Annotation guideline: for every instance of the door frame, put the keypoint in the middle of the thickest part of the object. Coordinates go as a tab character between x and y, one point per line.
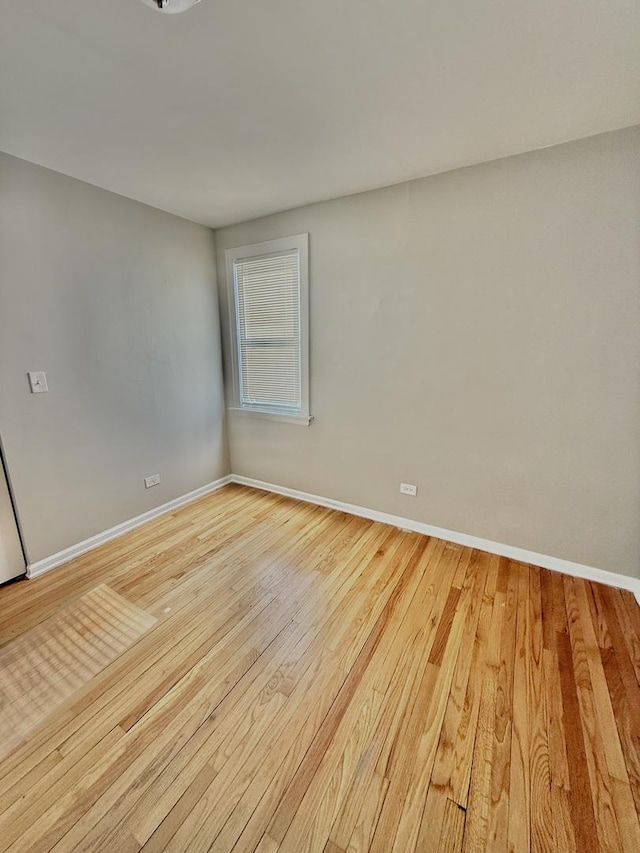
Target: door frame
4	472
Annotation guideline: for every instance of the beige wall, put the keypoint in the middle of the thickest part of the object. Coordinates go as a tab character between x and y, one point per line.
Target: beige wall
117	302
476	333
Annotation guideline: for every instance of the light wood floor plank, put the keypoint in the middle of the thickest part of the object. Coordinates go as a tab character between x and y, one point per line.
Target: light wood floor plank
452	763
251	673
394	672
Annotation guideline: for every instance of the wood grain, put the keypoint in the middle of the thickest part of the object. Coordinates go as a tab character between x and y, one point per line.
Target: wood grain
45	666
251	673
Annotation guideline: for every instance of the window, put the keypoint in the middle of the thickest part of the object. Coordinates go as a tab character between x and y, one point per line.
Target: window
269	285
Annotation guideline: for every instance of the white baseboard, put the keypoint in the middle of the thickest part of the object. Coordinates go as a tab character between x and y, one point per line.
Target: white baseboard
520	554
55	560
556	564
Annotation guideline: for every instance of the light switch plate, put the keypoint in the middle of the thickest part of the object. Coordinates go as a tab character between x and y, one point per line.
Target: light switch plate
38	382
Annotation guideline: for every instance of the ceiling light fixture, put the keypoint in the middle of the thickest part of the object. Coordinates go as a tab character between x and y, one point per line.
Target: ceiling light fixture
171	7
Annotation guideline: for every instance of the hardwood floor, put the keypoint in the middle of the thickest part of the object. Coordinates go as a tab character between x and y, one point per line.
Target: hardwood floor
318	682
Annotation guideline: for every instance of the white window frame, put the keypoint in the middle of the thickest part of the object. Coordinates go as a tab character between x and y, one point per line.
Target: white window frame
299	243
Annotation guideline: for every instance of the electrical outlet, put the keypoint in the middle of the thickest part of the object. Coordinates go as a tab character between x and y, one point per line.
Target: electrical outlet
408	489
38	382
151	481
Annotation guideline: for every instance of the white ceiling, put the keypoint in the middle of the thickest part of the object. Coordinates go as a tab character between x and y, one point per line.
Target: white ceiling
239	108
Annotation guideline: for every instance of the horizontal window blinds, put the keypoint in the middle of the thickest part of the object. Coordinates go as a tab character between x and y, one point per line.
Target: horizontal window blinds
267	294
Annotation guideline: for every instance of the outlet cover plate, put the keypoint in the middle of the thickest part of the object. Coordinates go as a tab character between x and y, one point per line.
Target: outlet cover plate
408	489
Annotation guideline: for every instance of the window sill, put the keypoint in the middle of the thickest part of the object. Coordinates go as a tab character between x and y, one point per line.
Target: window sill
297	420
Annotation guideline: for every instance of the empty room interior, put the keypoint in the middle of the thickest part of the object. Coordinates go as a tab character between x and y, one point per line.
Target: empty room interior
319	426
